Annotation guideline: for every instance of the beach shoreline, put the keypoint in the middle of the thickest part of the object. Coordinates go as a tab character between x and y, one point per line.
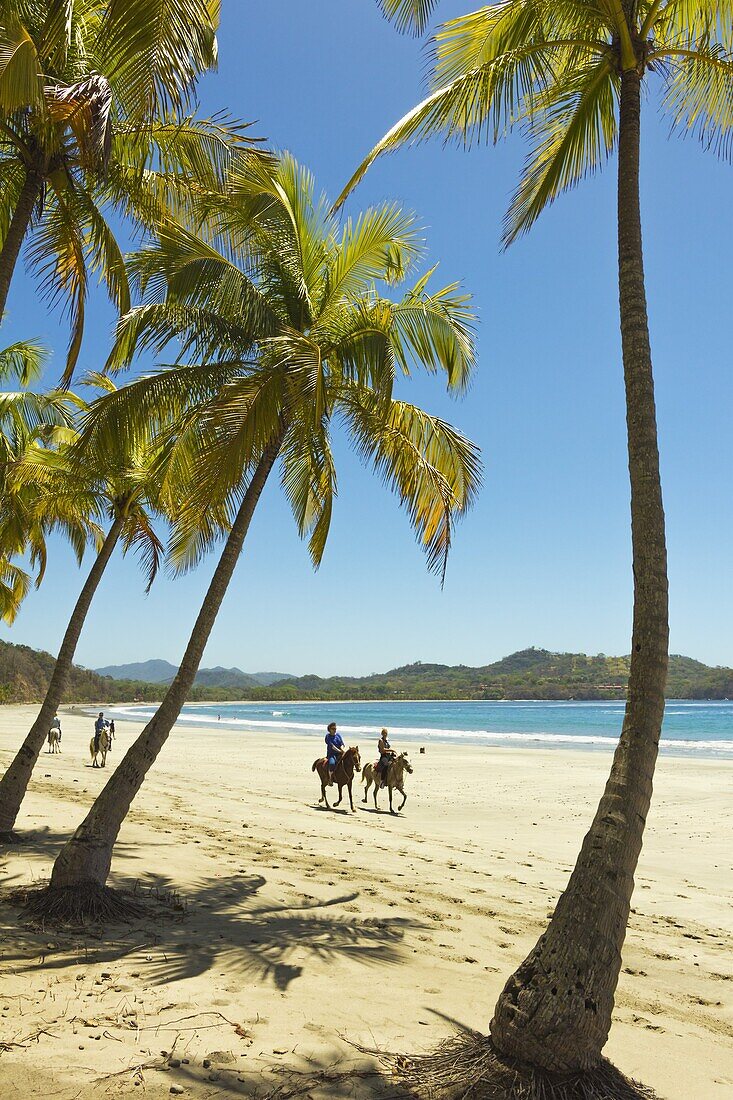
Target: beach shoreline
392	923
697	729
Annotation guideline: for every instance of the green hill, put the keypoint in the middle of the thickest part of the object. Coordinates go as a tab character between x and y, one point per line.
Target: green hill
529	674
25	674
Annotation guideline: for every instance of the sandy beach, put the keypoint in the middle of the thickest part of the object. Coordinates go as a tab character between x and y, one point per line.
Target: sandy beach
303	932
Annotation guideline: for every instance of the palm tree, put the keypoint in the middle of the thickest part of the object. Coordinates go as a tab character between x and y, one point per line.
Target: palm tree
288	331
94	101
120	490
570	73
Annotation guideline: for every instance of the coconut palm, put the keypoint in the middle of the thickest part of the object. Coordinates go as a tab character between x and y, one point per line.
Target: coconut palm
287	331
94	118
119	490
570	73
28	421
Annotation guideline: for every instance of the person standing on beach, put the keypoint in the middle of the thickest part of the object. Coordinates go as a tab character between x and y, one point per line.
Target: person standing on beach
335	748
110	735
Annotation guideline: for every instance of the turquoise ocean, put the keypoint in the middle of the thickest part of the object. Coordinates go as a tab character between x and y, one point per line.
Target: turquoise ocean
700	728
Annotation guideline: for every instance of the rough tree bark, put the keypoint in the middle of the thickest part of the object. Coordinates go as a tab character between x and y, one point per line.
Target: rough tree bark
17	230
85	859
555	1010
14	783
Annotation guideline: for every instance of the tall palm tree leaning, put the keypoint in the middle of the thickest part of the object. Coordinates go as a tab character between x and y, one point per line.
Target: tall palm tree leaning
570	73
287	329
94	118
118	489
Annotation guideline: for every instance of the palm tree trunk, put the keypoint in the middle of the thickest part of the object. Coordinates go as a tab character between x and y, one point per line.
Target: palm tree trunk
555	1010
85	859
17	230
14	783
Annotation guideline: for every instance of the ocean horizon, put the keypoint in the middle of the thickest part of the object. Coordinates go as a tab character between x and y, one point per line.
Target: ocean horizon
699	727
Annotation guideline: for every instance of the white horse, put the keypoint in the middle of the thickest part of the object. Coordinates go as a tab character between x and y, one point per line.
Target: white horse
104	743
54	739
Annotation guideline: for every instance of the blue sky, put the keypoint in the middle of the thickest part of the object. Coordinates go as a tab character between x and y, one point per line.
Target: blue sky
544	557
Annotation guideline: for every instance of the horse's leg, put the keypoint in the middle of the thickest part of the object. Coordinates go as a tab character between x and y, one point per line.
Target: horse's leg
341	794
376	788
389	788
366	788
404	798
323	797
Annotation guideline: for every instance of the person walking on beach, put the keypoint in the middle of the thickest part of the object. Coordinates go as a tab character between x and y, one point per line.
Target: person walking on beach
386	756
335	749
110	735
98	727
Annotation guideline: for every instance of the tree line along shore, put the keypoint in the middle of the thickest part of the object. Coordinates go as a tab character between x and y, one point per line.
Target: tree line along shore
528	674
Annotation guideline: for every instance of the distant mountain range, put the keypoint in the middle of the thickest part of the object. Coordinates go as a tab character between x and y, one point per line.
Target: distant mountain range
162	672
529	674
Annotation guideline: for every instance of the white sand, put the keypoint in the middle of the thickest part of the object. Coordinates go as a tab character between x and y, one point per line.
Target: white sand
306	929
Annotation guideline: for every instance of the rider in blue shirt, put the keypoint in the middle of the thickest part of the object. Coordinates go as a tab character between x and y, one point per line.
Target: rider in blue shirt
334	748
98	727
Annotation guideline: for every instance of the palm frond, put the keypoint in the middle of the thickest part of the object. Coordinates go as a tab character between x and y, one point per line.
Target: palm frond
155	49
408	15
56	254
139	534
15	584
384	242
432	468
573	134
685	23
24	360
699	95
435	331
21	81
57	33
310	485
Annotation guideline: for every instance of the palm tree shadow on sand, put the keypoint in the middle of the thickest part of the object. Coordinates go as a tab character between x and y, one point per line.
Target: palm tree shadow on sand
46	842
221	922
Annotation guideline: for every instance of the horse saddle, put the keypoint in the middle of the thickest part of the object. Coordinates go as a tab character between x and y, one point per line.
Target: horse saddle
322	766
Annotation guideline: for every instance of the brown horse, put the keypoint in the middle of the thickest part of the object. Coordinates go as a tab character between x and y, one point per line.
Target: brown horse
343	775
395	779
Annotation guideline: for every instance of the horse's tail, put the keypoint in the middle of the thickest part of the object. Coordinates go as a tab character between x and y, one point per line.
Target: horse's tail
315	765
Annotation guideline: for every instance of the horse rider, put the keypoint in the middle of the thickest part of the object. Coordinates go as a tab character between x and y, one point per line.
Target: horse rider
98	727
55	725
386	756
335	748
